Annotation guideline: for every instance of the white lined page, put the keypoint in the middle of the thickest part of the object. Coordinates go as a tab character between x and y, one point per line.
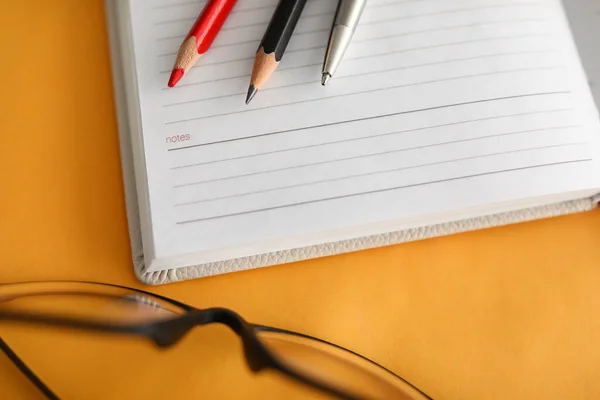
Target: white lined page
432	95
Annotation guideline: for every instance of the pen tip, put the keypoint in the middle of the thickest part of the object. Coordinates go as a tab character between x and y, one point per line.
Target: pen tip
251	93
325	78
176	75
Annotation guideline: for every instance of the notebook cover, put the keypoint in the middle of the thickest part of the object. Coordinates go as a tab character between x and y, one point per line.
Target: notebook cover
297	254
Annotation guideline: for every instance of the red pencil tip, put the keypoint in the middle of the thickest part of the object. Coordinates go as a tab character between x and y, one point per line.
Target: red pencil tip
176	75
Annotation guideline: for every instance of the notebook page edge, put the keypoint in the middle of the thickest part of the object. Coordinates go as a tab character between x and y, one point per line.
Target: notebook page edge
125	94
161	277
579	16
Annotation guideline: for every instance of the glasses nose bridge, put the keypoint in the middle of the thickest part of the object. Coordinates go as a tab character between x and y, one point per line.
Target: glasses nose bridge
224	316
170	332
257	356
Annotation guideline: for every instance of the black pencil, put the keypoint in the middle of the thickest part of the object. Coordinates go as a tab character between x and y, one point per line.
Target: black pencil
274	43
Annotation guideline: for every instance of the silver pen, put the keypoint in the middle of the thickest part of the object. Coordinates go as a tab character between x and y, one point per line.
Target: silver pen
346	20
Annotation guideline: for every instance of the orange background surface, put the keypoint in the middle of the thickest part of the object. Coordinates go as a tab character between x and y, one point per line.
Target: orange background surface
511	312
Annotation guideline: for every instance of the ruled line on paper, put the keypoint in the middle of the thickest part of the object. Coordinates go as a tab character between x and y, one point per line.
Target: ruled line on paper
325	29
230	28
381	21
366	91
234	11
173	4
394	36
297	32
365	73
180	37
358	157
349	59
237	10
202	3
489	100
386	190
253	40
370	7
272	6
371	173
367	137
300	32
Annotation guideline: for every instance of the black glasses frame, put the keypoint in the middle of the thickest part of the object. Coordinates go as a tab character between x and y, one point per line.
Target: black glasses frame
167	333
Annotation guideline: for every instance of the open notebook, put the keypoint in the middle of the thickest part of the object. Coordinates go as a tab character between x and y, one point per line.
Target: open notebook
445	116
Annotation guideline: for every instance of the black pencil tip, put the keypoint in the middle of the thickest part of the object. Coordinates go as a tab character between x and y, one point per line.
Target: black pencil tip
251	93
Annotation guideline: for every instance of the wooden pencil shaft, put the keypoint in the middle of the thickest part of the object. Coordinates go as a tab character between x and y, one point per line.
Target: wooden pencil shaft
188	54
200	37
281	27
264	66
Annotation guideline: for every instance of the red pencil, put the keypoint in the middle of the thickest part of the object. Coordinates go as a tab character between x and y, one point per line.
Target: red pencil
200	37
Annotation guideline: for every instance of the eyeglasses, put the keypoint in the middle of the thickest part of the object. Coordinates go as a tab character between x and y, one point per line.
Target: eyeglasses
111	309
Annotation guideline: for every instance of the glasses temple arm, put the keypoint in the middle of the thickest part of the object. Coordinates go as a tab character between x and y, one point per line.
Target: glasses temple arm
27	371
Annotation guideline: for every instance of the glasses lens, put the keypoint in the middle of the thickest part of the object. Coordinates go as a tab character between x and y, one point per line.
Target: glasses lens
95	365
337	368
90	302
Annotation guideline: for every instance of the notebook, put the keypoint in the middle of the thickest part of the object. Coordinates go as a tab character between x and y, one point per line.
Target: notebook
445	116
